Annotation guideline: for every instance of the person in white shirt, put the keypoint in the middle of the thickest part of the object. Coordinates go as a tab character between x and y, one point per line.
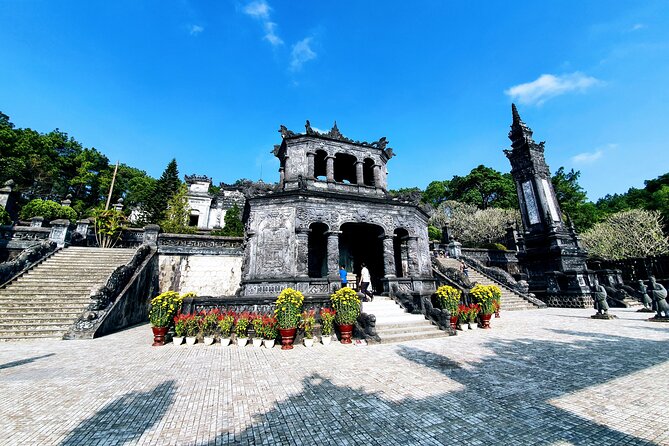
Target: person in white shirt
365	280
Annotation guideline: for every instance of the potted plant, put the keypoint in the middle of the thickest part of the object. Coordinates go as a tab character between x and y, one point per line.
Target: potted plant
241	327
256	323
472	312
463	313
307	324
269	330
327	325
225	323
497	298
484	296
287	312
179	329
161	314
449	299
209	325
192	329
346	303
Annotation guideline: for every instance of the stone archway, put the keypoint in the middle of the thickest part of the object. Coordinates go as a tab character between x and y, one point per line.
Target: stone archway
401	252
363	243
318	250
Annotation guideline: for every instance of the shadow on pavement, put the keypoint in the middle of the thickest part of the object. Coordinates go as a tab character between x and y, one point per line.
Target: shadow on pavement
8	365
125	419
506	399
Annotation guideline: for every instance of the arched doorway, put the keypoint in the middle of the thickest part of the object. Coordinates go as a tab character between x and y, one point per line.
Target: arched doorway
318	250
320	165
344	168
368	172
361	243
401	252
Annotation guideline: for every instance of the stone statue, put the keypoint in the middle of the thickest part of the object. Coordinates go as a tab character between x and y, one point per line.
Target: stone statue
645	299
308	128
599	296
285	133
659	293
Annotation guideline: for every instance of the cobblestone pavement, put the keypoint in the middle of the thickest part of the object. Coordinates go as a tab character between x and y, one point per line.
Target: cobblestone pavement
543	377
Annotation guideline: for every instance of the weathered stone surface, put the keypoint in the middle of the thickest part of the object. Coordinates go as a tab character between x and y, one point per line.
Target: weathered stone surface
205	275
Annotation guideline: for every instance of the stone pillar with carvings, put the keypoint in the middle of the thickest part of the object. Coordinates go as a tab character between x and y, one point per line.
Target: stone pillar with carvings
377	175
302	262
333	254
329	168
358	173
59	232
389	271
311	165
282	176
412	264
151	235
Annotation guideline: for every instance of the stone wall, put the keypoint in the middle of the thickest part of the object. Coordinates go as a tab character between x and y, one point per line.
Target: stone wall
205	275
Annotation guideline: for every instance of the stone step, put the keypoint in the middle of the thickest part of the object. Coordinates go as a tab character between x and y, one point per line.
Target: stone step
402	337
56	301
46	334
44	325
385	331
41	308
22	320
33	314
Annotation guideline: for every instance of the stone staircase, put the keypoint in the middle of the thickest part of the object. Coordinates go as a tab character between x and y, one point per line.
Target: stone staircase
510	299
46	300
393	324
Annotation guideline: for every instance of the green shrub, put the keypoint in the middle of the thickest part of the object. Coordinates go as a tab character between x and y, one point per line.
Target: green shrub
49	210
497	246
434	233
5	219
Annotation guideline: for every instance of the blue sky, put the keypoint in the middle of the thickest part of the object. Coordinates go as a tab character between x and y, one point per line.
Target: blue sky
209	82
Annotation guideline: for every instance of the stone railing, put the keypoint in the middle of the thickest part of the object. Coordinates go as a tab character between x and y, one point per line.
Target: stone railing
199	244
123	300
26	260
506	260
22	237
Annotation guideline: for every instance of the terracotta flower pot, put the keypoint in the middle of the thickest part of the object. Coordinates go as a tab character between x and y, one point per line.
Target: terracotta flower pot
346	333
159	335
485	320
454	322
287	337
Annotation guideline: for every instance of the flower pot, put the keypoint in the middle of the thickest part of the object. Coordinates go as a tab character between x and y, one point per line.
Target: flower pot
257	342
208	340
308	342
269	343
159	335
454	322
346	333
225	342
178	340
485	320
287	336
241	342
326	339
191	340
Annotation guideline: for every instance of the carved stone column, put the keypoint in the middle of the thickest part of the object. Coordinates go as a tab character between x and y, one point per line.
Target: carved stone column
358	173
288	173
329	166
377	176
333	254
412	263
302	262
282	176
388	257
151	235
59	232
310	165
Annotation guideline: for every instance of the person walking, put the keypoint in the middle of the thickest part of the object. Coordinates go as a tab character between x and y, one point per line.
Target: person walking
365	280
342	276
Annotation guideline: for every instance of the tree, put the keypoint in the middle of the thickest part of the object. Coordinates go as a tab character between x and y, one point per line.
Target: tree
436	192
177	213
233	223
573	199
474	227
165	188
484	187
627	234
5	219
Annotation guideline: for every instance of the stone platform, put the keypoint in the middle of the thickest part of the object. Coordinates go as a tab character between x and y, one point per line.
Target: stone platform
545	377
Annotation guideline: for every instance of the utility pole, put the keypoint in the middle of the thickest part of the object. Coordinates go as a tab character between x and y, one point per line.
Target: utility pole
111	187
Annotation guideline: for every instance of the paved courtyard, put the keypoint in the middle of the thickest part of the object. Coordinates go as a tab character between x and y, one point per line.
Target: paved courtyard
543	377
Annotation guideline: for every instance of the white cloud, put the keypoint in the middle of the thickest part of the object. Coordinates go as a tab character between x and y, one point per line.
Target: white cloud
587	157
637	26
260	10
549	86
195	30
301	53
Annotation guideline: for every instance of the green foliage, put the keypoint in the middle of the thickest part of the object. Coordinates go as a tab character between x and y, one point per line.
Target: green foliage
49	210
288	308
346	303
233	224
573	199
176	216
165	188
497	246
108	226
484	187
436	192
5	219
163	308
433	232
449	298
